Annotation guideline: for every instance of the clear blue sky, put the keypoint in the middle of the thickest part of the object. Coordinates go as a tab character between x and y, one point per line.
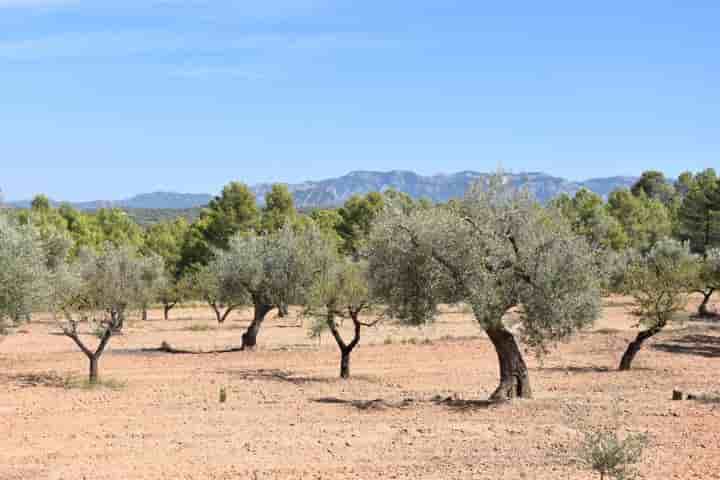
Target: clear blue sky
108	98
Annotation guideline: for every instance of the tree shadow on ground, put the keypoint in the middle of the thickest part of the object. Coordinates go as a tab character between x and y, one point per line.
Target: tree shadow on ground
707	346
578	369
30	380
381	404
277	375
287	376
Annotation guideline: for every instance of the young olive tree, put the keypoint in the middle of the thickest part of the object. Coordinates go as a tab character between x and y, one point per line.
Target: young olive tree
100	287
23	271
341	292
659	281
217	284
708	280
275	269
496	249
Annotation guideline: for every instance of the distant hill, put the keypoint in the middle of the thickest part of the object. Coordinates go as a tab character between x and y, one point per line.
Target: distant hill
335	191
152	201
439	188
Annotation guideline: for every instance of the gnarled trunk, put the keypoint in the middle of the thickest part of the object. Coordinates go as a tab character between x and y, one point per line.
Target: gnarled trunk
703	308
144	314
514	377
283	310
249	338
166	310
635	346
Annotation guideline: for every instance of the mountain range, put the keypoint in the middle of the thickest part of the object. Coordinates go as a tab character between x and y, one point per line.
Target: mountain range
335	191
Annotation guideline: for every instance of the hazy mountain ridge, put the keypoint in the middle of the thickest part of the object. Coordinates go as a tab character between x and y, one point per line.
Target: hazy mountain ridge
335	191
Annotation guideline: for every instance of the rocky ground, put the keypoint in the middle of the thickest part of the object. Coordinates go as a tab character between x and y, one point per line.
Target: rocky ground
413	410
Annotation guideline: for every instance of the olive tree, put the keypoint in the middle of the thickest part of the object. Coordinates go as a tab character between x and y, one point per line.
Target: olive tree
496	249
659	281
100	288
275	269
341	292
23	271
216	283
708	280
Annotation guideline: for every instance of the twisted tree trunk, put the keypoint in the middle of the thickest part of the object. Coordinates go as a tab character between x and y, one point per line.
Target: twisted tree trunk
635	346
249	338
703	308
345	348
166	310
514	377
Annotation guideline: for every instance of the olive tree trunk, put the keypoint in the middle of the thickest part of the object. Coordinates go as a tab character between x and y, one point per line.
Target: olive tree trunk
283	310
514	376
249	338
166	310
703	310
93	356
93	377
220	314
635	346
345	348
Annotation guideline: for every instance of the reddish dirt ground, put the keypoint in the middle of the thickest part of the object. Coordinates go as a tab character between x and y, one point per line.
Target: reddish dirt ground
288	416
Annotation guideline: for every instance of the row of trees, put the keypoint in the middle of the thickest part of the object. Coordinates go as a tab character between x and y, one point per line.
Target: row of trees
495	250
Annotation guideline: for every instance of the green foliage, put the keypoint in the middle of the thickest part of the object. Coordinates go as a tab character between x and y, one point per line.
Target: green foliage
357	216
709	276
166	240
217	283
653	184
611	456
660	281
116	227
279	209
277	268
699	213
234	211
40	203
23	271
146	217
195	250
494	250
328	221
102	286
644	220
589	218
341	290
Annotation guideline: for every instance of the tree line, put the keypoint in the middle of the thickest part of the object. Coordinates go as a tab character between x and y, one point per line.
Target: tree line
381	255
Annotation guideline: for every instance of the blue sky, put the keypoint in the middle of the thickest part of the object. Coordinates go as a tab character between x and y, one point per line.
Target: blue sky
108	98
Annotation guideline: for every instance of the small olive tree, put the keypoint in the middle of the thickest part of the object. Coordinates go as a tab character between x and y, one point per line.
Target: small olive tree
610	455
341	292
659	281
708	280
216	283
496	249
99	288
275	269
23	271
